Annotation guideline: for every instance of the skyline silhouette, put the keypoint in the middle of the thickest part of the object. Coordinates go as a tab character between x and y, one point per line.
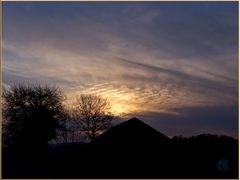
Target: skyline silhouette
144	152
120	89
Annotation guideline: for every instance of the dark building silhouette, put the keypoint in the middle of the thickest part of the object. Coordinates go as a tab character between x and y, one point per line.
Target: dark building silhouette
133	149
131	132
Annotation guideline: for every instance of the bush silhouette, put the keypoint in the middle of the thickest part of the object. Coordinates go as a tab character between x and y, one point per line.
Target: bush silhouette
31	114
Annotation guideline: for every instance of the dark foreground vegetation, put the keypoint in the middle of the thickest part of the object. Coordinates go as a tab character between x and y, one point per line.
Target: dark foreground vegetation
33	116
130	150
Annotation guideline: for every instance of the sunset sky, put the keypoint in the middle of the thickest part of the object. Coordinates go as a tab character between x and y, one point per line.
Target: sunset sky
173	65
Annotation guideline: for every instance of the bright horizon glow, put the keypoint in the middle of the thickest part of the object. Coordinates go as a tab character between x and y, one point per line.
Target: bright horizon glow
121	104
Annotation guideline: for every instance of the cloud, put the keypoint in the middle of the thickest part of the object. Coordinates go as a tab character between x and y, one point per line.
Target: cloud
155	57
181	87
195	120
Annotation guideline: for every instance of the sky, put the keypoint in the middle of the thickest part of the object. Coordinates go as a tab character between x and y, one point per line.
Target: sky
173	65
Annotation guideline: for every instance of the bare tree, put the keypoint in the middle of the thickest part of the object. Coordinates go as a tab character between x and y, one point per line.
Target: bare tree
70	130
93	113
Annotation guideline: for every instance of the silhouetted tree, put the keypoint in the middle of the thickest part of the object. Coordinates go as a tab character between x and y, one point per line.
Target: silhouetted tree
70	129
93	113
31	114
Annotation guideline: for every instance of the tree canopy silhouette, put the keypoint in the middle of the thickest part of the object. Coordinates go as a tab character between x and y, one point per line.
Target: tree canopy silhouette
93	114
31	113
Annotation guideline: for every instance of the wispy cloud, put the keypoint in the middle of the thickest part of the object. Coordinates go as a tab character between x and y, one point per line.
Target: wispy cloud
157	57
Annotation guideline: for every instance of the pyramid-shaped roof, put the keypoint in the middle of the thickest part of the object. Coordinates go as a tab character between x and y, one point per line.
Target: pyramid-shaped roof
132	131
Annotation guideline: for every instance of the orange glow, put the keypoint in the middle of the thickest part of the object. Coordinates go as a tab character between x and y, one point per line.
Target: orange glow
122	103
123	109
119	109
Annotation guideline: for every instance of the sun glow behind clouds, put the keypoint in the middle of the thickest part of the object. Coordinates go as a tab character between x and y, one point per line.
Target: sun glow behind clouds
127	101
123	102
130	54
